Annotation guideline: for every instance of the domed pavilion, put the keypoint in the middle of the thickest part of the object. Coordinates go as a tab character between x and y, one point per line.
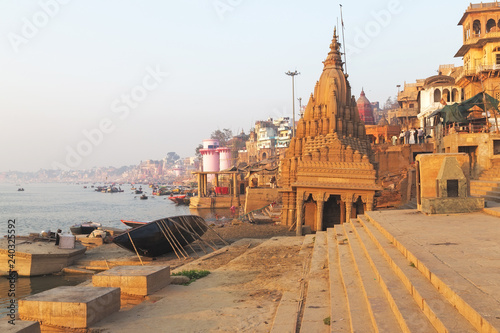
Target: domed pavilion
365	109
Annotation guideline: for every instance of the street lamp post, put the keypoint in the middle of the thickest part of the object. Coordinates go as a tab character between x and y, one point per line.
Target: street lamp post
293	74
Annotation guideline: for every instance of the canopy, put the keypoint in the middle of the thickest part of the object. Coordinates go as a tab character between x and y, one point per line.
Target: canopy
458	112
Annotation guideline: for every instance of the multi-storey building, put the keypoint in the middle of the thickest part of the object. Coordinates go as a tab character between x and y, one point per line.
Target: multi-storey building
480	50
269	139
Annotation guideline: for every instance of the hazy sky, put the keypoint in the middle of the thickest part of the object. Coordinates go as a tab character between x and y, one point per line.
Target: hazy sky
88	83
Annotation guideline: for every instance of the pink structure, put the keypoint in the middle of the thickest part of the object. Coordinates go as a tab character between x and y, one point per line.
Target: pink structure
178	171
365	109
224	158
210	155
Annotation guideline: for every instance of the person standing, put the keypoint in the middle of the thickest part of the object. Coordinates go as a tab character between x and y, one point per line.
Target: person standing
415	135
420	135
394	140
407	137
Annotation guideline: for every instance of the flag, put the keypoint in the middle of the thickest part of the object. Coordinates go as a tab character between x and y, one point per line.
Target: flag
443	101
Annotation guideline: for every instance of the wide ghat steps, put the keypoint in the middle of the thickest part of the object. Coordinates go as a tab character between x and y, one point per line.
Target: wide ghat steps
317	301
488	189
488	185
360	315
356	278
379	307
407	282
459	306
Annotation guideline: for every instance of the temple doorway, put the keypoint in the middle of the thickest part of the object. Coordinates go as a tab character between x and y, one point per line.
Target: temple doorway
359	208
332	212
310	213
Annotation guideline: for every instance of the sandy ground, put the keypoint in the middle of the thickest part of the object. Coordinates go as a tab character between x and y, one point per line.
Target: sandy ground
241	294
111	254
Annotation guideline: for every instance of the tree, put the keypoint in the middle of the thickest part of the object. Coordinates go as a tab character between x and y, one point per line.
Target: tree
223	136
391	104
172	157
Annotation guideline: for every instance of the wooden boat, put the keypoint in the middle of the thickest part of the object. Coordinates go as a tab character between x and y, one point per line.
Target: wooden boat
133	224
85	228
178	199
156	238
143	197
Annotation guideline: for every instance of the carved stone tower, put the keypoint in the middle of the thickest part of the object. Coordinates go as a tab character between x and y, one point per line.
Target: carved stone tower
327	174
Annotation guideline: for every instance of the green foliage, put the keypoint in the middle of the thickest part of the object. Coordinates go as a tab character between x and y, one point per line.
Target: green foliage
193	275
223	136
412	264
326	321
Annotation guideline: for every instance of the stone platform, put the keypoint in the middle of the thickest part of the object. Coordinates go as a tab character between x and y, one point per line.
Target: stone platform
70	307
134	280
20	326
38	258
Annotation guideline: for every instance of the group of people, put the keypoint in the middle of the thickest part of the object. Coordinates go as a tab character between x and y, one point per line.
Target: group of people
410	137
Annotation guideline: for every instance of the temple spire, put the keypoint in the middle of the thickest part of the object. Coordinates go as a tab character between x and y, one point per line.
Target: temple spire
334	58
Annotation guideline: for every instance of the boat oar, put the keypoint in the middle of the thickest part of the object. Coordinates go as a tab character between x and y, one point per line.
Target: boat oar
135	249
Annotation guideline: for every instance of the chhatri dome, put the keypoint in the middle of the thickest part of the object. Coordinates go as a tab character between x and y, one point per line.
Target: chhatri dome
365	109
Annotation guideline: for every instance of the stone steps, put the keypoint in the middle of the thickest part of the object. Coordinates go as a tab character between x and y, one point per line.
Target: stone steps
378	305
339	313
317	302
359	313
363	281
464	308
487	188
442	315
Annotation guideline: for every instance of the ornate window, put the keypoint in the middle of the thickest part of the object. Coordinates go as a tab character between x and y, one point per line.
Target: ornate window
476	28
491	26
446	95
437	96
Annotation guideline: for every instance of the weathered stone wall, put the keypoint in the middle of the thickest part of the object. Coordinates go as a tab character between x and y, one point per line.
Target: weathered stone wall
429	167
395	159
484	155
258	197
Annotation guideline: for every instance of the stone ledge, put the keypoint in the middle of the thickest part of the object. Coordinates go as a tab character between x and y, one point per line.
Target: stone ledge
134	280
70	307
451	205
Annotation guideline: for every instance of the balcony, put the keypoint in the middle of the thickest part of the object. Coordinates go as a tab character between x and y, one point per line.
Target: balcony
407	113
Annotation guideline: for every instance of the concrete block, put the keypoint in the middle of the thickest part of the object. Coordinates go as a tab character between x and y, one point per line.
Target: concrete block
134	280
70	307
20	326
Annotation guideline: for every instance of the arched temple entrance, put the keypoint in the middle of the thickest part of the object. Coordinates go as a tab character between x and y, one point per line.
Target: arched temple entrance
332	213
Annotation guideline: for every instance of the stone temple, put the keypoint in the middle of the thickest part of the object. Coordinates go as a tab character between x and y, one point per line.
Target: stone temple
327	174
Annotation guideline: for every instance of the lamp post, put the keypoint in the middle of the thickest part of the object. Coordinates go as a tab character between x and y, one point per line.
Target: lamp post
293	74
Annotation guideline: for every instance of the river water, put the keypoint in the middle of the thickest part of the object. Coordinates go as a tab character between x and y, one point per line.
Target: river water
59	206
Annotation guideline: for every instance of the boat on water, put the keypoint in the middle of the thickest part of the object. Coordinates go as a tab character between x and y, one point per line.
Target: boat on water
20	189
143	197
156	238
133	224
85	228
